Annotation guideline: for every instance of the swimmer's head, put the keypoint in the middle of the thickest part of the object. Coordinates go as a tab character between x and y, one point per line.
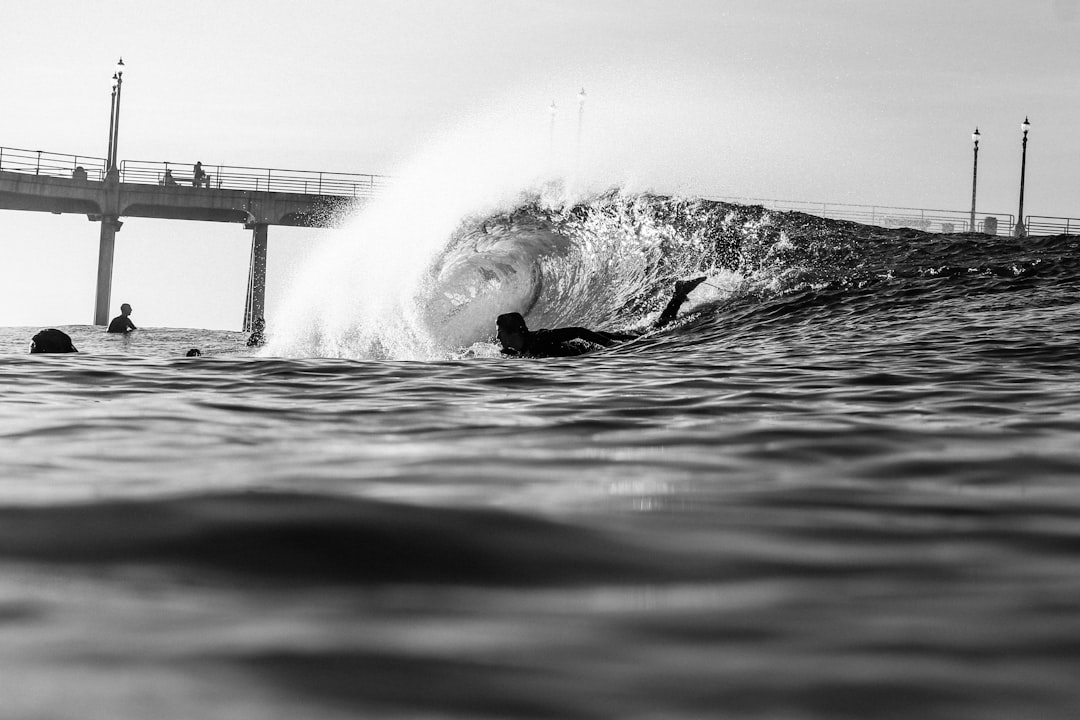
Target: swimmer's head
512	322
125	309
194	352
511	331
52	341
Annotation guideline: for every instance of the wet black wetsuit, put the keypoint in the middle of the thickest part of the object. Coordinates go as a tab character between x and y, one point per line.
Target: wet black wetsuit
560	342
121	324
52	341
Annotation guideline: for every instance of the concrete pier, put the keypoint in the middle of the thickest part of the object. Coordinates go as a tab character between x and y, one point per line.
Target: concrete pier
106	253
254	308
252	201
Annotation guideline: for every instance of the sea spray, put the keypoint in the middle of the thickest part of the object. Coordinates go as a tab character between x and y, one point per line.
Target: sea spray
357	296
605	261
484	223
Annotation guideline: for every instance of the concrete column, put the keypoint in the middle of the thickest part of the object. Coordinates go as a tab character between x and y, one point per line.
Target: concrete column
254	308
106	249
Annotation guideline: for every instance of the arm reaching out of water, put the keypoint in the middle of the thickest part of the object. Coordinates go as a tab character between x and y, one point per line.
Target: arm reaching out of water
517	339
678	297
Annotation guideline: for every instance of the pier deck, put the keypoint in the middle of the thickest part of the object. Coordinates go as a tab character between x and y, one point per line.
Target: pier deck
257	198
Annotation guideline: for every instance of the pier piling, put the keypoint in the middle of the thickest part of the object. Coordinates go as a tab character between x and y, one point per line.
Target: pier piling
106	252
256	288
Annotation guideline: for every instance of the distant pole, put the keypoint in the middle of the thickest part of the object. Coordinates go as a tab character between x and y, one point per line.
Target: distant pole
580	120
112	126
551	130
115	139
1021	231
110	222
974	177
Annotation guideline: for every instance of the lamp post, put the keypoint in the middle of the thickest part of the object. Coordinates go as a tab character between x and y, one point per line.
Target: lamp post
552	109
580	120
974	176
112	125
110	220
1021	231
114	118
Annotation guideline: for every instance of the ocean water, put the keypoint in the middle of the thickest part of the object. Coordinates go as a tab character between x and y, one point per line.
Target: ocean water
844	485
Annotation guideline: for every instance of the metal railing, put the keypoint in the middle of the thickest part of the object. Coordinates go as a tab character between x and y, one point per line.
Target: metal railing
225	177
234	177
1045	225
305	182
942	221
41	162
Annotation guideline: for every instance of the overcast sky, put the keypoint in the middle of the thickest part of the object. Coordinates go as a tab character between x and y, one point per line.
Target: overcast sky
858	101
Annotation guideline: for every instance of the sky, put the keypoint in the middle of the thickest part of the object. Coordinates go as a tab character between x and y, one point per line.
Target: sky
855	101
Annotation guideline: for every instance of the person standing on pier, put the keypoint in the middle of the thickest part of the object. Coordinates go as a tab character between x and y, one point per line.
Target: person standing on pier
198	176
122	322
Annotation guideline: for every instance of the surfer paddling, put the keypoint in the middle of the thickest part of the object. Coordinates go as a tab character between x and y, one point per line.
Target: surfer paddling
517	339
52	341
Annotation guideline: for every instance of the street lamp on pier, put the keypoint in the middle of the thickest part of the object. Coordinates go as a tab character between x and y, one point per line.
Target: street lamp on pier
110	220
974	177
114	115
1021	231
552	110
580	120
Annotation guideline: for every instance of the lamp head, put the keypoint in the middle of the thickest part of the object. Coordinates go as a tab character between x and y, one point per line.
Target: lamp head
1025	126
120	68
975	136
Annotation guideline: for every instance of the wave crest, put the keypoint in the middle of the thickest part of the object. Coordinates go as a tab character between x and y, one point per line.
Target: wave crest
605	261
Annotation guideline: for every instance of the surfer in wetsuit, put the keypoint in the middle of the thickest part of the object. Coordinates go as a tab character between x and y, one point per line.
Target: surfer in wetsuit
518	340
52	341
122	322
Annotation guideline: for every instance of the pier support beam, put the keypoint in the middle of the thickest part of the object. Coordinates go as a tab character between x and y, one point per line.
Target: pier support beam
106	250
254	308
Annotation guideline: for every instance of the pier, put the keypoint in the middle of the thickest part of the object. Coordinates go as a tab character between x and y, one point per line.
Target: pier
256	198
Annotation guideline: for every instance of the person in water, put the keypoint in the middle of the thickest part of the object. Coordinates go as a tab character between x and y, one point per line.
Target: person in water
122	322
517	339
52	341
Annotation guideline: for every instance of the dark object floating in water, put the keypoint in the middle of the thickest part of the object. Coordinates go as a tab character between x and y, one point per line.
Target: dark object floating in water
51	341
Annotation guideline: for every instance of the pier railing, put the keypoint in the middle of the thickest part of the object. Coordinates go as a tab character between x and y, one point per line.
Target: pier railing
224	177
42	162
941	221
1043	225
236	177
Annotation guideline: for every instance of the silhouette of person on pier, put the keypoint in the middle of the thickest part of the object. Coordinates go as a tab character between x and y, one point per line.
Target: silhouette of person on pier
51	341
122	322
518	340
198	176
169	180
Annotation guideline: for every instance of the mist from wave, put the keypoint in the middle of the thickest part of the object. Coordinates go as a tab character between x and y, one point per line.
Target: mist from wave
492	218
605	260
